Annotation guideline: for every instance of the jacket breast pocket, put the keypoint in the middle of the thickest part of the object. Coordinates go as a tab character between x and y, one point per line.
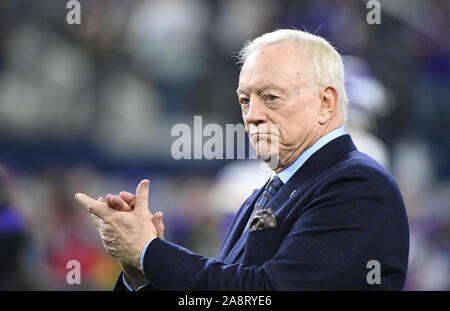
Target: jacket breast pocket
261	245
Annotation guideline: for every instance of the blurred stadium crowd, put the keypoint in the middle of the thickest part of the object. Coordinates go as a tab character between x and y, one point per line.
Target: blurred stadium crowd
90	107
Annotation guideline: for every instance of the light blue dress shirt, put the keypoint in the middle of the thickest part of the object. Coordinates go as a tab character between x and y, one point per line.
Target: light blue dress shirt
288	172
284	175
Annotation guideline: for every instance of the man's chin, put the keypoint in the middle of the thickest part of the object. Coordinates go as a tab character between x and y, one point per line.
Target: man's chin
271	160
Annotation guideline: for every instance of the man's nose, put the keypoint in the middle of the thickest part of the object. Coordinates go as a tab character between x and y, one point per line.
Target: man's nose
256	113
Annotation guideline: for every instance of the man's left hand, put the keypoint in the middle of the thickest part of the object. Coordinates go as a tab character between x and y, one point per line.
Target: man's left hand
124	234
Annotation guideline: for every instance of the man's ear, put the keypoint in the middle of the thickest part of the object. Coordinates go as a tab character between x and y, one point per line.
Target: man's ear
328	104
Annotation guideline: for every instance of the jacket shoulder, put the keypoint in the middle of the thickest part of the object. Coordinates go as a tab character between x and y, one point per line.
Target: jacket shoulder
360	175
356	163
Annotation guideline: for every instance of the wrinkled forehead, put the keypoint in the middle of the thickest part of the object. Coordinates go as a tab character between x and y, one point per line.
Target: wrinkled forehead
280	62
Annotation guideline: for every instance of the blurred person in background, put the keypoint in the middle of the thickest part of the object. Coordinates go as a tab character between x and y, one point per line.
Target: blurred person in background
13	235
327	211
367	99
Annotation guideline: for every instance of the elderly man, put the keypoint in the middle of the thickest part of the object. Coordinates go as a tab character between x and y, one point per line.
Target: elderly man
330	218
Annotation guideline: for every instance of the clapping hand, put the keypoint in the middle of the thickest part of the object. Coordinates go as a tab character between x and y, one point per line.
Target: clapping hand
125	225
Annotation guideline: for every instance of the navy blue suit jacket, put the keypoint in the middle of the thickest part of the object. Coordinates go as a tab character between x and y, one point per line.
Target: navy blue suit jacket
346	210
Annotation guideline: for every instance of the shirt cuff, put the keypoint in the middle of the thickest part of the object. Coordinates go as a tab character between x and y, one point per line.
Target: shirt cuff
124	277
126	282
143	254
128	285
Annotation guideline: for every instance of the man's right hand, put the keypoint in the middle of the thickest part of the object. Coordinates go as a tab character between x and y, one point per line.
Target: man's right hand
125	202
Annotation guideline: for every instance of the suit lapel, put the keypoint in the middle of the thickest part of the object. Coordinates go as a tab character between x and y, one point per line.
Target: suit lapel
237	227
279	198
237	248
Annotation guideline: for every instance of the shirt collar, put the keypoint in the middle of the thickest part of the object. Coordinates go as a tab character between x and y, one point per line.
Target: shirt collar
289	171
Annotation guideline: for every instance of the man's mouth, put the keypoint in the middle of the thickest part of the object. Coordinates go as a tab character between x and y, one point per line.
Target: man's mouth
256	137
257	134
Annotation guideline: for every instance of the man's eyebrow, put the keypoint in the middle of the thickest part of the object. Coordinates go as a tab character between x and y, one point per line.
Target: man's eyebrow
262	88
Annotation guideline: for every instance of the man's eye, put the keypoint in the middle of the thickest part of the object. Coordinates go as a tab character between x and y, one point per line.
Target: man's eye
243	101
270	97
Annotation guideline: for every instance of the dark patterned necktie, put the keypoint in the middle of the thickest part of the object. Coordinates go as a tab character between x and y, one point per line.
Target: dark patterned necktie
271	188
260	218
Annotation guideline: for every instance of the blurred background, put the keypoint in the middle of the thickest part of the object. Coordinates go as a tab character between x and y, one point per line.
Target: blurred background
90	108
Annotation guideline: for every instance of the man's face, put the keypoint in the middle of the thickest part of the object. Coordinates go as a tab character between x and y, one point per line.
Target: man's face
273	90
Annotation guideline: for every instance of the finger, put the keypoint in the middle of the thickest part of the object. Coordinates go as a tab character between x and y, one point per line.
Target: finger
119	204
97	208
96	220
128	197
109	200
142	192
157	221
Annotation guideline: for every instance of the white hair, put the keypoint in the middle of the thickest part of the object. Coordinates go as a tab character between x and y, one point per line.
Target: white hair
325	64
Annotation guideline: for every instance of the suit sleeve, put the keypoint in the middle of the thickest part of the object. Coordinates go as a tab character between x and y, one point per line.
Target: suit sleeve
326	248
